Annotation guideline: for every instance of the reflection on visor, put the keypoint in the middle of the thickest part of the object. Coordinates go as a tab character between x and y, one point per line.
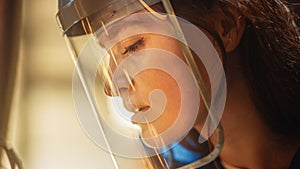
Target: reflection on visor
137	96
151	78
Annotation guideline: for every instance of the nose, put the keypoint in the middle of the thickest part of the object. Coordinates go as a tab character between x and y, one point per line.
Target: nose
124	93
114	89
131	97
133	100
121	91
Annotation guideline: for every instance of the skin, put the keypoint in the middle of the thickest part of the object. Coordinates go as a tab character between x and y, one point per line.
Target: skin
248	141
143	82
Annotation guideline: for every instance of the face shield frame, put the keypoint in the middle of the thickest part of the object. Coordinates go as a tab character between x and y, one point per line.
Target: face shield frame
76	19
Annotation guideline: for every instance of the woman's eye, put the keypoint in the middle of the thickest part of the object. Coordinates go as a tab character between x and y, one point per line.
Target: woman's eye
133	47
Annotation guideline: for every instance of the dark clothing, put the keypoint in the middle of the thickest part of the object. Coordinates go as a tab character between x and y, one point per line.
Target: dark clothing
295	164
189	150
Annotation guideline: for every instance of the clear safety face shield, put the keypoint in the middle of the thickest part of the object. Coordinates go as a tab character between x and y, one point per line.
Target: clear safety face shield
149	87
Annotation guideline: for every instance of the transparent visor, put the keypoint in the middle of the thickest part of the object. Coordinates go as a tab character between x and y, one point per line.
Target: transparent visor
149	87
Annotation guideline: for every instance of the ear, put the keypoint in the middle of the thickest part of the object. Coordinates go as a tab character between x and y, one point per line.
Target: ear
229	23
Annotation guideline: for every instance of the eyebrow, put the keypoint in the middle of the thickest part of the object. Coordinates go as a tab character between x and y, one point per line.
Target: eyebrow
111	31
117	27
130	25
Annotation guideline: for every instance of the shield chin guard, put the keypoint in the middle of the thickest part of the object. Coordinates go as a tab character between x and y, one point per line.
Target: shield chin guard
82	22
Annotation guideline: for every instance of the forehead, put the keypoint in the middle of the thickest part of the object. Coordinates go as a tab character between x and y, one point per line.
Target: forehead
131	25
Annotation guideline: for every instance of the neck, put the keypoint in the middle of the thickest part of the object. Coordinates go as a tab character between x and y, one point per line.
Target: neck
279	155
270	155
248	141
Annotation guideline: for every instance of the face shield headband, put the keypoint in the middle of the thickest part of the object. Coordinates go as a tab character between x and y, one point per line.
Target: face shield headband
133	59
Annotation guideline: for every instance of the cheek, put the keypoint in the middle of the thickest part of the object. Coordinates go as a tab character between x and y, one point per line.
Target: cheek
150	80
165	43
153	79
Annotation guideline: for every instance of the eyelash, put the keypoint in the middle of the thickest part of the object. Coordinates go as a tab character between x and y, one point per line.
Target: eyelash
134	46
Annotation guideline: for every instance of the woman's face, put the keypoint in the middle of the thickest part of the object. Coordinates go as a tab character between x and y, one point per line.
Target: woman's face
144	82
149	73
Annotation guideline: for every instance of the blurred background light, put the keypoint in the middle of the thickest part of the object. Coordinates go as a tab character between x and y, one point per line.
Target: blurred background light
45	131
